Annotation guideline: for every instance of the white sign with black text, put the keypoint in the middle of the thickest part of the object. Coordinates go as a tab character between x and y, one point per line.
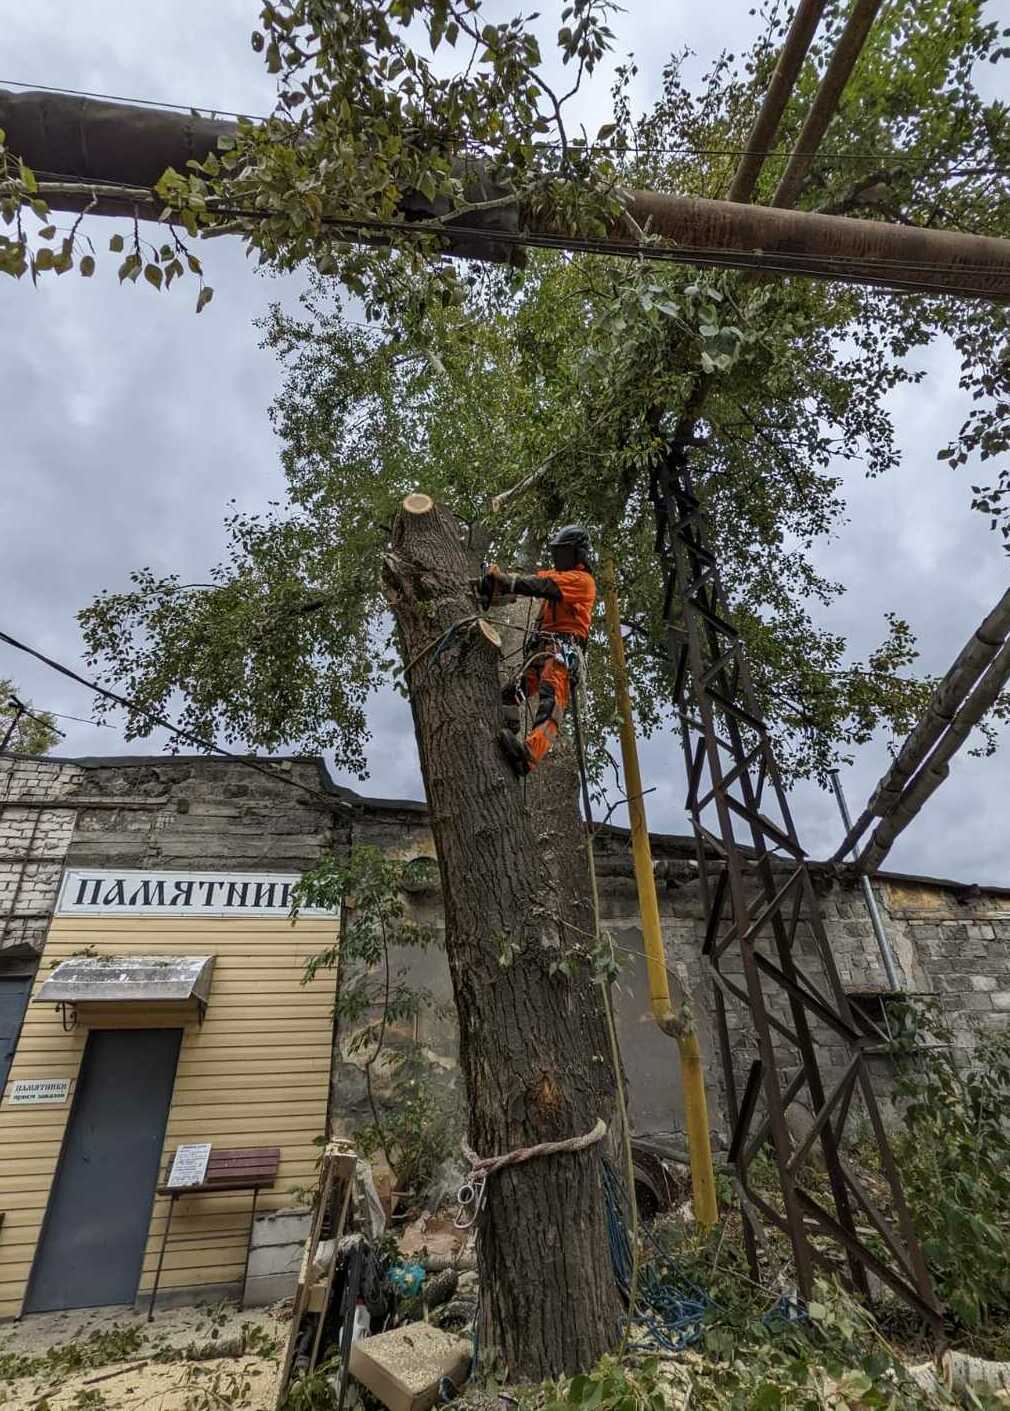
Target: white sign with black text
190	1165
38	1092
129	892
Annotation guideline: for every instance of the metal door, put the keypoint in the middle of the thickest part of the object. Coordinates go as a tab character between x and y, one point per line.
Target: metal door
14	992
92	1244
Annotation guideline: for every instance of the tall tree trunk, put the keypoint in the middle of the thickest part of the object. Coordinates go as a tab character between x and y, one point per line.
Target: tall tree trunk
533	1044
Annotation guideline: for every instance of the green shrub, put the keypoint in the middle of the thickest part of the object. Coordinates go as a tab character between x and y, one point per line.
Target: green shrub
953	1150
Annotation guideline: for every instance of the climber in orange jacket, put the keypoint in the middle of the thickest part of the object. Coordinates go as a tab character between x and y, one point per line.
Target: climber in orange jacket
553	652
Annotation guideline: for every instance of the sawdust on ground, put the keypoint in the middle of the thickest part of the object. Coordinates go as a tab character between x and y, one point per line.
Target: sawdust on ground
210	1367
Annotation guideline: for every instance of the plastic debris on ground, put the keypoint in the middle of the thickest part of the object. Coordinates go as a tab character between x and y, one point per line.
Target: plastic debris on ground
406	1278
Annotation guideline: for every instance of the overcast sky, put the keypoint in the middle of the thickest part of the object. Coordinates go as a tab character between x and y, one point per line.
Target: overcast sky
128	425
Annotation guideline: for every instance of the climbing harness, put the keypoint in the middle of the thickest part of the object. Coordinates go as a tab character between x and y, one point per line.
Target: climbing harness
552	646
471	1194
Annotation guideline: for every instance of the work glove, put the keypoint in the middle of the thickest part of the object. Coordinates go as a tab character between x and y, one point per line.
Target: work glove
493	586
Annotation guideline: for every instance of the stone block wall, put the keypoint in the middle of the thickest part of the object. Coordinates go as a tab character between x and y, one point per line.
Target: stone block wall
959	941
949	940
190	812
35	833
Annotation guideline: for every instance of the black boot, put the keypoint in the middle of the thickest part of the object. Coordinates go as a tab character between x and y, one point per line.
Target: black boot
515	752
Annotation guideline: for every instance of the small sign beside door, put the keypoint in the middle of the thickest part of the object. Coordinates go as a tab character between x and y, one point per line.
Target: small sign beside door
190	1165
38	1092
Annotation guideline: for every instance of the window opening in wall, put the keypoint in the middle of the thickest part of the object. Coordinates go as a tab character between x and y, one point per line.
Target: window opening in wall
878	1006
888	1010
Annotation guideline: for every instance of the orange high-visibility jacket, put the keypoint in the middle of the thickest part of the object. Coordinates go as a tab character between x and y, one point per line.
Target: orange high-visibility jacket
572	612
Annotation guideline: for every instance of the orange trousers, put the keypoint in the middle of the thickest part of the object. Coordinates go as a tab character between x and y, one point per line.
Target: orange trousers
546	681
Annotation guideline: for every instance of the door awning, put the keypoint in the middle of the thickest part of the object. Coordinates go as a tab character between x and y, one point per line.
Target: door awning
129	979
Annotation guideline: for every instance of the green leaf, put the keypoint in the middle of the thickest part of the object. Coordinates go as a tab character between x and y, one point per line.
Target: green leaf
579	1386
153	275
607	130
854	1384
45	259
116	244
87	266
204	297
47	232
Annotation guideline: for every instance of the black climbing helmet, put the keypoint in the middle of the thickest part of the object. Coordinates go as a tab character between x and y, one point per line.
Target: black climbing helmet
575	537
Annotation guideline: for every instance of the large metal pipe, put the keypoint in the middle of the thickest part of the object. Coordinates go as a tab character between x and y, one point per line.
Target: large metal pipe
67	139
692	1070
936	768
825	105
783	81
973	658
900	257
86	140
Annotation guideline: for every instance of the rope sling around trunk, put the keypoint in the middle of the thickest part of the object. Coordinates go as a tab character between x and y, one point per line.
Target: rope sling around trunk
470	1196
483	1166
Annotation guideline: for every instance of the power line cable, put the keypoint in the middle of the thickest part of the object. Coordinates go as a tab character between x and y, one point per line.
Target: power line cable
207	745
21	710
718	257
62	715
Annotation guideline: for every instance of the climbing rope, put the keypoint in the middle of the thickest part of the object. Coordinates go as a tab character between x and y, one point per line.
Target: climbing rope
470	1196
484	1166
437	645
670	1309
631	1291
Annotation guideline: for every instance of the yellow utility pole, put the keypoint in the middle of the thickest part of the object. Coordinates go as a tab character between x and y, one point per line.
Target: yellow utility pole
678	1026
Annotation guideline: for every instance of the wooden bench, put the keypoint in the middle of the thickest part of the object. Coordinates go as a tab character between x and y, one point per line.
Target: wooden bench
245	1168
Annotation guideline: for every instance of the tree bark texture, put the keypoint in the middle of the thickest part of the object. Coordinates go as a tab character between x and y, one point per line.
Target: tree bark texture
552	794
533	1045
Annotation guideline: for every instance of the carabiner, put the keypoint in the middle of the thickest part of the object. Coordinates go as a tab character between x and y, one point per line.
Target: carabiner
470	1198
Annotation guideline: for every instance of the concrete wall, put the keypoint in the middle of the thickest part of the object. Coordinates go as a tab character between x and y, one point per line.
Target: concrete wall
950	940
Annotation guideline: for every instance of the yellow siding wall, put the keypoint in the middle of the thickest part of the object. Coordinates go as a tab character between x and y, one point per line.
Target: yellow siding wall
255	1074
